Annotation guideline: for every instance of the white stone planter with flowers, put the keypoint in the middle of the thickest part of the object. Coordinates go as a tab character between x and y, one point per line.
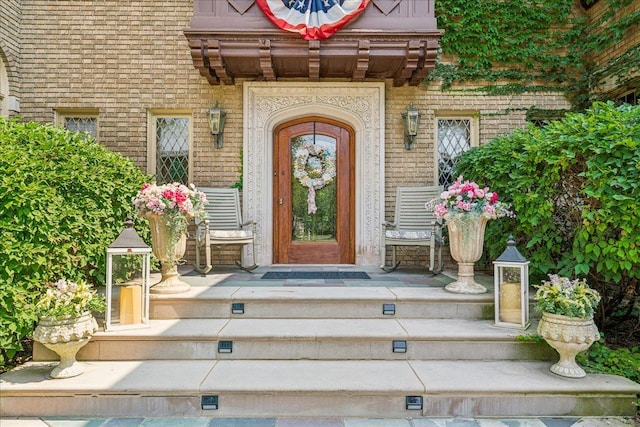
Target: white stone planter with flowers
467	208
567	324
66	322
169	208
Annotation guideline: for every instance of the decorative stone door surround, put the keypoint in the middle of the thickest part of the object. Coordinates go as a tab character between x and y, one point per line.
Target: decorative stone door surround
361	105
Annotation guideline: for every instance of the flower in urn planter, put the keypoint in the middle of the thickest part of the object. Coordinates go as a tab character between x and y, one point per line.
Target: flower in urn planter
169	208
69	299
567	325
467	207
66	323
175	201
566	297
466	198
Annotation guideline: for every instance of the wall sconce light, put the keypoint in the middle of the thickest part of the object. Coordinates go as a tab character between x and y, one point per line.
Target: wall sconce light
216	118
411	120
511	280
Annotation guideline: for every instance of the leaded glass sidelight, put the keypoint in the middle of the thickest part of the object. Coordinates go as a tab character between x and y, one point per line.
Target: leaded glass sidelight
454	138
172	149
313	188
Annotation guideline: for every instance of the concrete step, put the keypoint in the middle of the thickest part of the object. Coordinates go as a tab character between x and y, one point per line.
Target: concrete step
276	388
317	339
321	351
298	302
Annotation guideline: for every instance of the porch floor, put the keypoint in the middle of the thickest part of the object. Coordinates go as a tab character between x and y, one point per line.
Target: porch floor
404	276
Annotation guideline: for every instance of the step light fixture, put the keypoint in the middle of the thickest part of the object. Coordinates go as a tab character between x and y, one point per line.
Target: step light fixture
388	309
225	346
414	403
237	308
209	403
399	346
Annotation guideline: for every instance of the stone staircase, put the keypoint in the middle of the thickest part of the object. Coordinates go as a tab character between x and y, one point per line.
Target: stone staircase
314	351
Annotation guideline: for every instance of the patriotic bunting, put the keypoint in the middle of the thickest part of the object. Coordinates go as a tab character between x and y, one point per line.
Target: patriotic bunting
313	19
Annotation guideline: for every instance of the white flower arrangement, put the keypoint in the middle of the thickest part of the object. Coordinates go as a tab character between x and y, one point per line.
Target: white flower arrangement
314	167
64	298
566	297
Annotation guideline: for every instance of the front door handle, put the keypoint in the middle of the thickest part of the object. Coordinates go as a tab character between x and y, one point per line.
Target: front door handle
280	202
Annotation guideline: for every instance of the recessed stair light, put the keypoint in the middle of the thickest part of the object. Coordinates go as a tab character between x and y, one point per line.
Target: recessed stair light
414	403
388	309
209	403
225	346
399	346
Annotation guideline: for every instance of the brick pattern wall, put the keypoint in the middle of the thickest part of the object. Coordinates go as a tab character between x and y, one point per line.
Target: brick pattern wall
127	58
495	115
123	58
631	38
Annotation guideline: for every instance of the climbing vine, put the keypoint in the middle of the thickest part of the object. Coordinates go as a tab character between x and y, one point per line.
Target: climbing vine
515	46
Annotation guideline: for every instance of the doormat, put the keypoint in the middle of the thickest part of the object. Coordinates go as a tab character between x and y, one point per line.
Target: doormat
283	275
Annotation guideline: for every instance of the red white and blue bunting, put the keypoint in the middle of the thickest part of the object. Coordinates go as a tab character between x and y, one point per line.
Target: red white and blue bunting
313	19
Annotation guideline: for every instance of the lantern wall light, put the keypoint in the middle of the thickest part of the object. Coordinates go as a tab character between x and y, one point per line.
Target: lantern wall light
411	120
511	281
216	117
128	265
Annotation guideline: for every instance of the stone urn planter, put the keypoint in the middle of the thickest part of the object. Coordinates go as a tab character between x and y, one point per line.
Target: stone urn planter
466	241
168	249
66	336
568	336
169	208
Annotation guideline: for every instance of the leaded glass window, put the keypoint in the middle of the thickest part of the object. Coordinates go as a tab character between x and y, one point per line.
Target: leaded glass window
539	122
629	98
172	149
454	138
84	125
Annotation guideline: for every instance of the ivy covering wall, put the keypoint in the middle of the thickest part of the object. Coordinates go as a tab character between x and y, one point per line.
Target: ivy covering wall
512	46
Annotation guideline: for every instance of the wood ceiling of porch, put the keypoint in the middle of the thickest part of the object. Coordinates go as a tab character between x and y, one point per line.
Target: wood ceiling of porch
391	39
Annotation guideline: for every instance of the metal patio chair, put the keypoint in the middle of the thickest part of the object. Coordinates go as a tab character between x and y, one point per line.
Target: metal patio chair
223	226
414	225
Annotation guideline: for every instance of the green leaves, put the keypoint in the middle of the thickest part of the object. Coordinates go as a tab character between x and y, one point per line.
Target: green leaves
63	200
621	361
575	188
533	46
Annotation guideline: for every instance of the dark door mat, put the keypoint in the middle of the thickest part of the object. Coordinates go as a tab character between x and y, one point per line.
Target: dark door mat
283	275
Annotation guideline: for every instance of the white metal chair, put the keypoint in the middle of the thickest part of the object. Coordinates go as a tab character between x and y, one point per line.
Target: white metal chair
223	226
414	225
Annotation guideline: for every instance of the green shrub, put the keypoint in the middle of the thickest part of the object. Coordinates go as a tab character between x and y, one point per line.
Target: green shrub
599	358
604	360
63	200
575	188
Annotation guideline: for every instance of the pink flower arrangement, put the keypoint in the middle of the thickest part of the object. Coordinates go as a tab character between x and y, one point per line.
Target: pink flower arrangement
467	197
170	199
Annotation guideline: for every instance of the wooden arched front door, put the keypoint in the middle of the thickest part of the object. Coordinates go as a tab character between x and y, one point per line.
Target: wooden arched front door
313	192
